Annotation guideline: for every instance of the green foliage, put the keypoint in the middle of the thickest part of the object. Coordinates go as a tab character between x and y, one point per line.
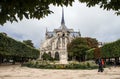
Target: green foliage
28	42
14	10
11	47
40	65
111	49
79	46
92	42
105	4
46	56
90	54
76	46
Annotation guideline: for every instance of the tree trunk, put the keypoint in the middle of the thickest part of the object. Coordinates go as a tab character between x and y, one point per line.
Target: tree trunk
0	59
108	59
14	60
22	60
118	59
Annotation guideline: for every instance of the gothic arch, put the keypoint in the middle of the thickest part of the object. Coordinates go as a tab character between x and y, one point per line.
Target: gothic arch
57	56
49	53
58	43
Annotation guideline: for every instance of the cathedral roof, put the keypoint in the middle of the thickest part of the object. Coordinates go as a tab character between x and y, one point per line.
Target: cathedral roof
63	27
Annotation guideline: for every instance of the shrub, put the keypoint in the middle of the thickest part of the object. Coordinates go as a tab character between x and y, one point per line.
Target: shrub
46	65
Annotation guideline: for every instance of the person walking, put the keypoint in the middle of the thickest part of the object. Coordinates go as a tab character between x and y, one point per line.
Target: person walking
115	63
101	64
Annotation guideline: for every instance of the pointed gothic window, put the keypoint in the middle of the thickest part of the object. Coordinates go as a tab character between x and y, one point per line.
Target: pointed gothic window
63	35
49	53
57	56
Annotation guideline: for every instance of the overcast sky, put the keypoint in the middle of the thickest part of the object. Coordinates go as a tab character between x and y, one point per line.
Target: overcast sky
92	22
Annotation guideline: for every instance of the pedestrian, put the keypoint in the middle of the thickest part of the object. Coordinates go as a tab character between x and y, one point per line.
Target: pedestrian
100	64
114	63
103	63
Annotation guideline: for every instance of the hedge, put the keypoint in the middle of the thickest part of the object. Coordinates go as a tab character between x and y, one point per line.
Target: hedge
11	47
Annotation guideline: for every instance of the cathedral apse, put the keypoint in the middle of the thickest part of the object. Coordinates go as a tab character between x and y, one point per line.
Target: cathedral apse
56	41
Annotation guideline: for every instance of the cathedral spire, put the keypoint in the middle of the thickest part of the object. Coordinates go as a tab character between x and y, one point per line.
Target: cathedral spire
62	20
46	31
63	27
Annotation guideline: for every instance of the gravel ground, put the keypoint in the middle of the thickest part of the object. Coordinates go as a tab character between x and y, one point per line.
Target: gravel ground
18	72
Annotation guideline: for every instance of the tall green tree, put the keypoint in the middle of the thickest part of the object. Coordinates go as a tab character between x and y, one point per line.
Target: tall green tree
90	54
28	42
15	49
79	47
111	50
92	42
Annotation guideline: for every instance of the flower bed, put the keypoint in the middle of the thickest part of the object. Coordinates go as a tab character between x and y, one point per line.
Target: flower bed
46	65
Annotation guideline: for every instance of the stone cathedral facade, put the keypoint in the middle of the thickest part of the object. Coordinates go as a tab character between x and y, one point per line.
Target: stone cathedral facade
56	41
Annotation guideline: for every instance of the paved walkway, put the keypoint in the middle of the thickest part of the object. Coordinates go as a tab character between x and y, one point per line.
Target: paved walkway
17	72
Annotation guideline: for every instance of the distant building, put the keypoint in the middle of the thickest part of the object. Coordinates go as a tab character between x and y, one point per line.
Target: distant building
56	41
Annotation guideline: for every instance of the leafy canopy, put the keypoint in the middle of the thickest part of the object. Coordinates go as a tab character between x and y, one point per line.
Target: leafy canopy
79	47
14	10
11	47
105	4
111	50
28	42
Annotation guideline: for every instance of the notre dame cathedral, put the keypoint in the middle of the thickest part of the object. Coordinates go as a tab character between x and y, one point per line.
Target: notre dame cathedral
56	41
